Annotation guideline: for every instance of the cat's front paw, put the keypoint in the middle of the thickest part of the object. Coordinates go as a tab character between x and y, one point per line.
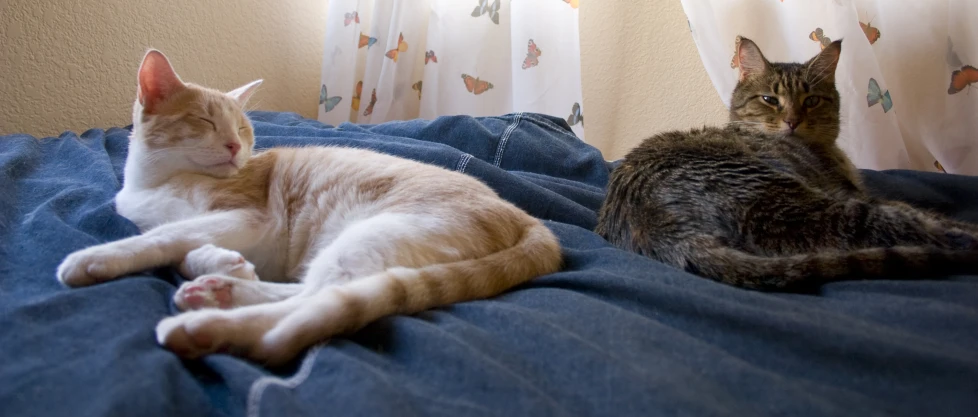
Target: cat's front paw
93	265
210	259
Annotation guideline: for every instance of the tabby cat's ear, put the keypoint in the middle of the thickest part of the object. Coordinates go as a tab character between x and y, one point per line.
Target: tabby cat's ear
157	80
822	66
243	93
750	58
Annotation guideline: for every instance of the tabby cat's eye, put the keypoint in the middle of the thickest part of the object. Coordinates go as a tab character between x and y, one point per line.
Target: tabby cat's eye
770	100
812	101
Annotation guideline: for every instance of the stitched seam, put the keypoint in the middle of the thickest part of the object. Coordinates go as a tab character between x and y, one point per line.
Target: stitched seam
258	387
555	127
463	162
505	138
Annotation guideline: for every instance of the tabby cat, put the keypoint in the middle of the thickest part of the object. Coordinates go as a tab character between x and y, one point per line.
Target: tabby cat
339	236
769	201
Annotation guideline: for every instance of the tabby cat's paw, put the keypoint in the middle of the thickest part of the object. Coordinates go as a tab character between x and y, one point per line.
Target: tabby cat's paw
212	260
93	265
212	291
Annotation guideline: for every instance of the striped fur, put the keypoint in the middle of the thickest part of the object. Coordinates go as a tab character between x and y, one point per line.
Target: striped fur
758	205
289	247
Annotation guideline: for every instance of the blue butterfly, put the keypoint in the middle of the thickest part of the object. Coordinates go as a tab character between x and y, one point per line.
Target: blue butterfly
576	116
877	95
329	103
484	7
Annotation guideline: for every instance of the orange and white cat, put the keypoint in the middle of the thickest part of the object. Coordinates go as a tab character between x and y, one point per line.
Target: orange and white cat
339	237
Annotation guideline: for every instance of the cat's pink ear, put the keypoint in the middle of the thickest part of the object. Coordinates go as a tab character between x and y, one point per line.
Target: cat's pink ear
157	80
750	58
243	93
822	66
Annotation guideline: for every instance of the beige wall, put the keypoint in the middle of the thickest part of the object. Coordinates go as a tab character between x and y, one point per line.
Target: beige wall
641	73
70	64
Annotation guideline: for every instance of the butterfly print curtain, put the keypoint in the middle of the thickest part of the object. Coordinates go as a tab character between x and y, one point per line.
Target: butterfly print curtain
907	75
398	60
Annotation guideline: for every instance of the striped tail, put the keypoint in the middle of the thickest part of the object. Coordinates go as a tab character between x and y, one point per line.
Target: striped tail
798	272
348	307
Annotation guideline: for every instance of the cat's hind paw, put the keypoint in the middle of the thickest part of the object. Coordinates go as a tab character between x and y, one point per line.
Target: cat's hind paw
205	292
212	260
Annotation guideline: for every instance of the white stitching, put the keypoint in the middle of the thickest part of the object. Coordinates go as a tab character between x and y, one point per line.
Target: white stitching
505	138
258	387
555	126
463	162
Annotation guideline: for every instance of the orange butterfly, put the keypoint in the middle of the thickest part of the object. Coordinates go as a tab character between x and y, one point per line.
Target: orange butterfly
873	34
367	41
573	3
962	78
735	61
819	36
430	56
417	87
401	47
475	85
356	97
370	106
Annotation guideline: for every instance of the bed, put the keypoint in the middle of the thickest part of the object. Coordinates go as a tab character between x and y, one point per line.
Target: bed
613	334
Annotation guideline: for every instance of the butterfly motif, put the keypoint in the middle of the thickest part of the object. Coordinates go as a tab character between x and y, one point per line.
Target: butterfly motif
430	56
532	55
485	8
819	36
351	17
573	3
576	116
355	105
962	78
735	61
877	95
951	57
367	41
329	103
417	87
475	85
370	106
939	167
401	47
873	34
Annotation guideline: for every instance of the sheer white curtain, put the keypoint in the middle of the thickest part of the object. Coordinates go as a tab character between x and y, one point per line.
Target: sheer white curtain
404	59
906	75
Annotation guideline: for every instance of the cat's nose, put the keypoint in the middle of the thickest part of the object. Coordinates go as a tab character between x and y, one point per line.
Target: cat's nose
792	123
234	147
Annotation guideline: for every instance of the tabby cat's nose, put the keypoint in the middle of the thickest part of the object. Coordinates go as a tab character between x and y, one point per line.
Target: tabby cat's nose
792	123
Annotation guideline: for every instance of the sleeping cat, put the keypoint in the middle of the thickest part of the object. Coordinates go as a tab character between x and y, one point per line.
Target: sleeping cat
769	201
339	236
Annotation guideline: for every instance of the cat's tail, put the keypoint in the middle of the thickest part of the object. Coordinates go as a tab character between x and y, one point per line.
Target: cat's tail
348	307
803	272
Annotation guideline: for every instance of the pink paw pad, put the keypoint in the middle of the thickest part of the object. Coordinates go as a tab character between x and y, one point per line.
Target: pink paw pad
204	292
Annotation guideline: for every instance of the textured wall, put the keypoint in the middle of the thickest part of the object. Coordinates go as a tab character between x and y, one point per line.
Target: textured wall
71	64
641	73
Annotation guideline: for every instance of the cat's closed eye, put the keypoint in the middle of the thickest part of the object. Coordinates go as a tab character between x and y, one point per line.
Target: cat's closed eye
812	101
770	100
211	122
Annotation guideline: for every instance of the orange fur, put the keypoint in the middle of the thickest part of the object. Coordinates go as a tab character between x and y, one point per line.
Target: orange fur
293	246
